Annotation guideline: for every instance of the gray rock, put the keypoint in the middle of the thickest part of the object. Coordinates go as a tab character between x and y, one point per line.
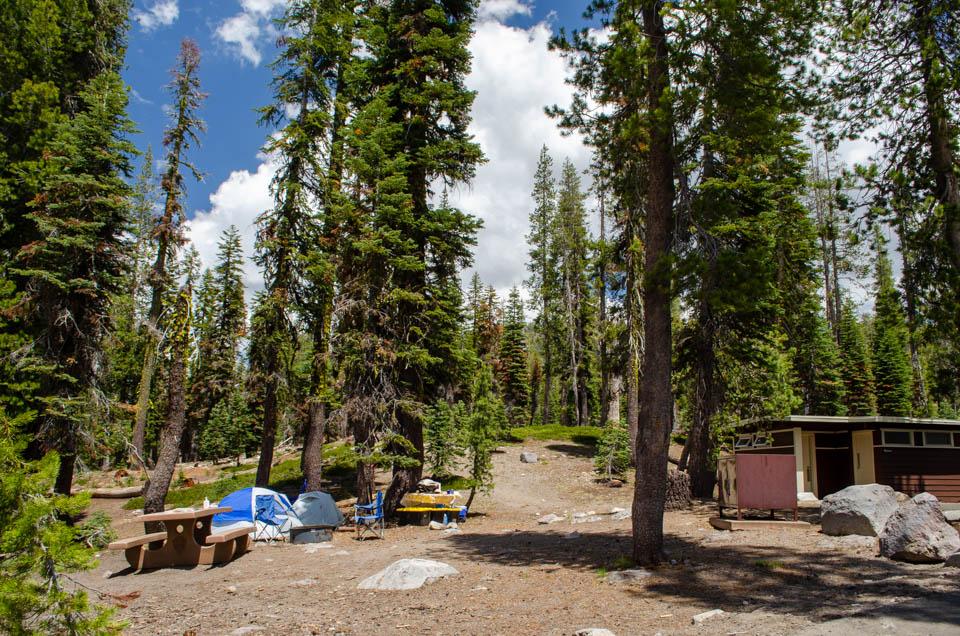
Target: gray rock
528	458
628	576
407	574
918	533
862	510
550	518
620	516
954	561
852	541
436	525
701	618
593	631
953	516
451	531
585	518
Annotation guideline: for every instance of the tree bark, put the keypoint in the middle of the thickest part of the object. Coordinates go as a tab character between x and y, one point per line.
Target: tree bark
942	160
156	490
405	479
67	447
143	394
656	398
633	361
313	445
706	403
269	436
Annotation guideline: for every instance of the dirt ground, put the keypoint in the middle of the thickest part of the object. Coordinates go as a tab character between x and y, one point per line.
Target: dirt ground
521	577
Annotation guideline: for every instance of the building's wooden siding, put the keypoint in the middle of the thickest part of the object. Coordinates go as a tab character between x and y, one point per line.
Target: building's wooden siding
915	470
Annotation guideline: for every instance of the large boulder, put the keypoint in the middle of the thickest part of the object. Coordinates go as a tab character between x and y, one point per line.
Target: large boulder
918	533
862	510
407	574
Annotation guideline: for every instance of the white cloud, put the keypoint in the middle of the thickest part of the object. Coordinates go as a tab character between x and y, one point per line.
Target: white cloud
511	127
240	33
508	122
238	201
502	9
245	32
161	13
262	7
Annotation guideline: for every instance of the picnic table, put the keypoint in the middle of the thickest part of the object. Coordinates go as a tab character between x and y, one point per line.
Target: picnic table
187	540
422	506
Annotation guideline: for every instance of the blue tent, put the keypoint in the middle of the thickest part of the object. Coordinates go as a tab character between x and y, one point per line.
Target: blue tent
269	511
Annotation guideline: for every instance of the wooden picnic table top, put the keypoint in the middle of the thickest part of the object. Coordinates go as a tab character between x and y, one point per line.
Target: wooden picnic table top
182	515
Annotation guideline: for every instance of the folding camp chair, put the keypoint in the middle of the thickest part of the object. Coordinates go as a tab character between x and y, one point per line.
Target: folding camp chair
268	525
369	517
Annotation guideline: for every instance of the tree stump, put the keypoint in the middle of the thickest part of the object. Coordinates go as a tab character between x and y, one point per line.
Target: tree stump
678	490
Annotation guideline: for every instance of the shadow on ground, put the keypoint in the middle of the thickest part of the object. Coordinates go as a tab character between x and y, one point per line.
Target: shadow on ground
820	585
576	450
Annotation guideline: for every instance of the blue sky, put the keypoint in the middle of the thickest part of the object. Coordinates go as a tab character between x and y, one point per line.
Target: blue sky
514	73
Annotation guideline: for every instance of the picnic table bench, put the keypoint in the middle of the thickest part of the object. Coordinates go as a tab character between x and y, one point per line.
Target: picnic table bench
186	540
424	513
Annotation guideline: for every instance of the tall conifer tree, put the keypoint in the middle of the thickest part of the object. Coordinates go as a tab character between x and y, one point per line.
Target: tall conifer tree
183	133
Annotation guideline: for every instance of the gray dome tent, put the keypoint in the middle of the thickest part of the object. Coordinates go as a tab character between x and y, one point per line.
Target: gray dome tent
316	511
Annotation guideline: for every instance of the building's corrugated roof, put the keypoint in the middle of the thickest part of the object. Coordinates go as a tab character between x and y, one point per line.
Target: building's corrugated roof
843	420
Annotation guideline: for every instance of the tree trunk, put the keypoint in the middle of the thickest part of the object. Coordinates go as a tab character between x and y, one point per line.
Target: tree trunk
313	445
613	400
706	403
656	399
604	362
269	429
633	361
143	394
547	373
67	448
156	490
942	141
405	479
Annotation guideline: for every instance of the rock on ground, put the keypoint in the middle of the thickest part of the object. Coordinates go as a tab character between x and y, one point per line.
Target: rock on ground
407	574
705	616
862	510
918	533
528	458
593	631
550	518
628	576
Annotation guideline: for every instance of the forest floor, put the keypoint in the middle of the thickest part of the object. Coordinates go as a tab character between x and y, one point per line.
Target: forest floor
521	577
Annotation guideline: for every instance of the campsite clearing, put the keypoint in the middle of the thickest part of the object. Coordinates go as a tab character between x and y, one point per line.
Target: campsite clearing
521	577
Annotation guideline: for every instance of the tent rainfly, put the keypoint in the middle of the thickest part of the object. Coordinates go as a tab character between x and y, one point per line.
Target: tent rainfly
269	511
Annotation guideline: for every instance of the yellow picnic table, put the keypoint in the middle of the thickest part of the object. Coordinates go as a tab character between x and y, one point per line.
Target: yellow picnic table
187	540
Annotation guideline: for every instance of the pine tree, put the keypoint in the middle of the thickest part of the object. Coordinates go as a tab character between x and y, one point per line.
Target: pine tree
40	549
542	282
485	423
569	243
71	272
420	61
891	364
182	133
221	324
612	460
443	438
857	374
229	430
514	380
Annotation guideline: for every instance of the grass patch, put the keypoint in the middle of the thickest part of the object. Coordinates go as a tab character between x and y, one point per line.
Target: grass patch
238	469
589	435
768	564
338	459
622	562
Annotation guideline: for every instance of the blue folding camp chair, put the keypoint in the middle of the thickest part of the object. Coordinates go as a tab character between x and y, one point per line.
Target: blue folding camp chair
368	518
270	517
